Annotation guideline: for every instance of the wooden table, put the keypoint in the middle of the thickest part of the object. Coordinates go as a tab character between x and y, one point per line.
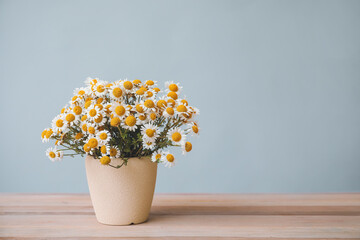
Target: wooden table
192	216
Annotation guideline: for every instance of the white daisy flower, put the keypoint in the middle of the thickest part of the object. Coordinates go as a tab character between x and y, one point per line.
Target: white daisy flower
149	105
130	123
58	123
187	147
71	118
162	103
169	112
173	87
81	91
150	131
105	150
127	86
103	137
116	92
158	156
101	119
176	136
193	128
100	88
91	81
93	112
151	83
139	107
169	159
120	110
114	152
148	143
53	154
46	134
91	129
143	119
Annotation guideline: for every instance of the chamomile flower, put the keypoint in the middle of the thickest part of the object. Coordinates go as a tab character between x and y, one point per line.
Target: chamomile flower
114	152
149	105
103	137
150	83
169	112
172	87
148	143
187	147
139	107
46	134
101	119
194	128
157	156
105	149
100	89
58	123
120	110
130	123
176	136
52	154
81	91
150	131
93	112
143	118
91	129
162	103
91	81
169	159
116	92
127	86
71	118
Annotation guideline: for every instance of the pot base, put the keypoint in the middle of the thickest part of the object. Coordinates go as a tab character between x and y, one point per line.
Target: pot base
121	196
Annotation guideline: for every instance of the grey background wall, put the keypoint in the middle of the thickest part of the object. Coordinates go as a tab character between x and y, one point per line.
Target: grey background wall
277	83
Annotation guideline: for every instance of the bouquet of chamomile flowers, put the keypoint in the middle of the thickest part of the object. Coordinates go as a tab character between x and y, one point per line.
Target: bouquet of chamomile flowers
123	119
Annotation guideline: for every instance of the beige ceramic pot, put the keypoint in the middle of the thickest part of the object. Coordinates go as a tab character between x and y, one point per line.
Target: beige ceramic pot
121	196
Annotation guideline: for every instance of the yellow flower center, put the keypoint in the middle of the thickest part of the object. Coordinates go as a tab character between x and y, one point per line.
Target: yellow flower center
150	132
93	82
144	89
136	81
188	146
130	121
43	133
105	160
181	108
149	82
70	117
92	112
79	135
152	116
170	111
161	104
100	106
139	108
83	118
103	149
149	103
158	156
115	122
84	128
81	92
157	89
173	95
91	130
100	88
49	133
173	87
120	110
170	157
117	92
171	102
59	123
149	94
74	98
62	110
87	104
88	99
99	119
140	92
77	110
195	129
183	101
103	136
52	154
128	85
93	143
149	143
142	117
109	85
113	152
176	137
99	100
87	148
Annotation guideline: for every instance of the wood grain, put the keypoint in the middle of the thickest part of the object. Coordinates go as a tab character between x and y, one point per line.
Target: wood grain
193	216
